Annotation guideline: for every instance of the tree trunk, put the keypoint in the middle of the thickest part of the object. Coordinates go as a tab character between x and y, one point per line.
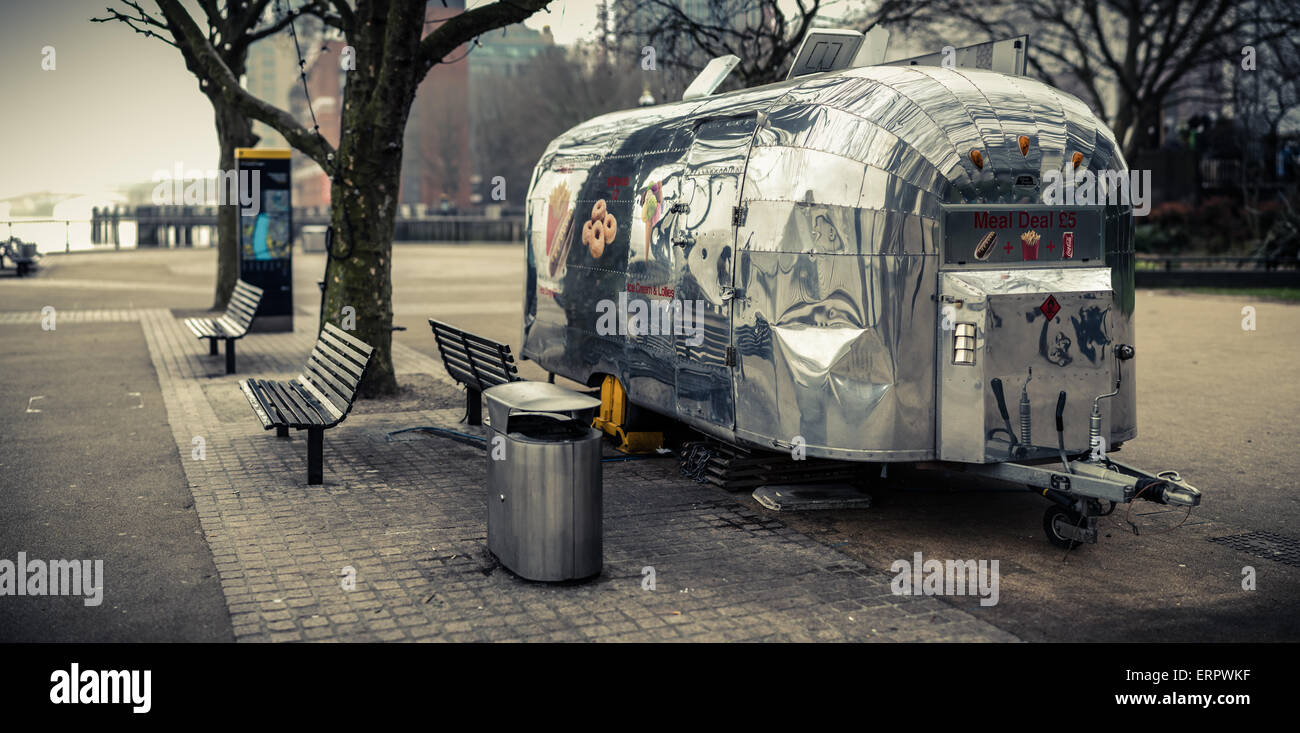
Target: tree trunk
234	130
1143	121
363	209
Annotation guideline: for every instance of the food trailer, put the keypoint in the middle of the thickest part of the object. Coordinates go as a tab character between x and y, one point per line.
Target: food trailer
898	263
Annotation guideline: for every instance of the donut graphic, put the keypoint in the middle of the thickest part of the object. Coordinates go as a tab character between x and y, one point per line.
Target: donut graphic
599	230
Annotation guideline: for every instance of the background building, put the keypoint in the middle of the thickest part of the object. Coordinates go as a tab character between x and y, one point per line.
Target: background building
326	80
271	72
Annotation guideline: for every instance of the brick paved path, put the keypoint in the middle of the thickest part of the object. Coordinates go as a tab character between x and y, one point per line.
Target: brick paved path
408	511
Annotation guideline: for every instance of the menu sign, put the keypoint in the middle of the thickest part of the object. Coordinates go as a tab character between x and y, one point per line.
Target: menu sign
1010	235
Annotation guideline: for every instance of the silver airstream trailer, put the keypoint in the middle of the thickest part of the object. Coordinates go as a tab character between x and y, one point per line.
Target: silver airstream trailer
859	262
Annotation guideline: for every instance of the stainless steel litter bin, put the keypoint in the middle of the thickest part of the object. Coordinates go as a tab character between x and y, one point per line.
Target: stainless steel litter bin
544	481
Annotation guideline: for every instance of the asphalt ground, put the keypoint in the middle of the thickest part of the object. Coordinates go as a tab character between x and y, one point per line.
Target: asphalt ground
1216	403
90	471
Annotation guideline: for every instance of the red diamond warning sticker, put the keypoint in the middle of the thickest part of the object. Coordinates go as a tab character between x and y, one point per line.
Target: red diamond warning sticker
1050	307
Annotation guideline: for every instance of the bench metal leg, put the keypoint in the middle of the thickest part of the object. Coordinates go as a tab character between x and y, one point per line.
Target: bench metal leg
473	406
315	461
212	347
230	356
282	432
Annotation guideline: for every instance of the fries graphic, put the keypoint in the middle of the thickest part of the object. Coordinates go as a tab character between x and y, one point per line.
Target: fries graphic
1029	245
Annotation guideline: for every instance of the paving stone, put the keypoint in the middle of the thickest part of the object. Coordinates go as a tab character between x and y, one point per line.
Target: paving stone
408	516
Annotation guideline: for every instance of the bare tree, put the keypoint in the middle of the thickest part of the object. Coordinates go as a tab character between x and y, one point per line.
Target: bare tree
232	27
560	89
1126	58
1265	90
763	34
395	43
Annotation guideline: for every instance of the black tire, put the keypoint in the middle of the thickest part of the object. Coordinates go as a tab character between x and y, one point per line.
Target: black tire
1051	517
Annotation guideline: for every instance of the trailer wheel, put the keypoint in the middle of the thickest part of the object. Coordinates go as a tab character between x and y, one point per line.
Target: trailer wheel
1054	519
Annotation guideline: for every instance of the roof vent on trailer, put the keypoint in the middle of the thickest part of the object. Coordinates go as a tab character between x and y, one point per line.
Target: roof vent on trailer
1006	57
832	49
710	77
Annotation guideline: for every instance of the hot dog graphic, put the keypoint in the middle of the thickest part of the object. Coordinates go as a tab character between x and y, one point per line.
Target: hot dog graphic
985	247
559	246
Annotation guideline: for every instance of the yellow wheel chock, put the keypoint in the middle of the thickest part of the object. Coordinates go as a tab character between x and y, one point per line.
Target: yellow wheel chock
613	417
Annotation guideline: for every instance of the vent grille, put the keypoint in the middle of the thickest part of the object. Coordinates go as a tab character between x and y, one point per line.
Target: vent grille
1267	545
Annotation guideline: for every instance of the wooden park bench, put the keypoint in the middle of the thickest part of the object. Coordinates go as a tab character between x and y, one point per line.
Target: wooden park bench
474	361
320	398
232	325
24	255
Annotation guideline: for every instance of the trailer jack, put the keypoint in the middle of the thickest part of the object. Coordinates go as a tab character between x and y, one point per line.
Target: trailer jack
1077	496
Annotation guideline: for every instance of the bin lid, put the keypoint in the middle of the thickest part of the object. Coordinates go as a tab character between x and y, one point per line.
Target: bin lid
534	397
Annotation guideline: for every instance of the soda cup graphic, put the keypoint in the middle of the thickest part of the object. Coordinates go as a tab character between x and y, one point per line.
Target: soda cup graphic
1029	245
1067	245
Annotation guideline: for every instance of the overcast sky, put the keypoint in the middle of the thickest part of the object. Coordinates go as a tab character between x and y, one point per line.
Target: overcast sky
119	106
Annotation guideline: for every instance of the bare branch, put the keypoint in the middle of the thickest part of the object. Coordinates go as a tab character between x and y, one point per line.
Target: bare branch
211	69
471	24
141	24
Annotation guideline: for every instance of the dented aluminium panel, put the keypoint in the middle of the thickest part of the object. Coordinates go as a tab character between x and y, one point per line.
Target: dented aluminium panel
767	265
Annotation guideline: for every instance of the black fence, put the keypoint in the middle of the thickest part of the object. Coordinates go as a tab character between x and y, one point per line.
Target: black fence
178	226
1180	271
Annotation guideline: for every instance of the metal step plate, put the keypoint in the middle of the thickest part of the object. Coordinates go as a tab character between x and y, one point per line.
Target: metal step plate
811	497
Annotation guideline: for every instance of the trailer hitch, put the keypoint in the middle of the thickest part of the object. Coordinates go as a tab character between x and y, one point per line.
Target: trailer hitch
1077	493
1167	487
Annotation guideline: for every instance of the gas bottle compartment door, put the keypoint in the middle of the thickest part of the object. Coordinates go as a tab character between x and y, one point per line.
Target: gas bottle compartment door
1010	342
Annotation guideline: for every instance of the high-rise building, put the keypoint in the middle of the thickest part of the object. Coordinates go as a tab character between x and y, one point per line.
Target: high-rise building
438	166
435	152
326	81
270	72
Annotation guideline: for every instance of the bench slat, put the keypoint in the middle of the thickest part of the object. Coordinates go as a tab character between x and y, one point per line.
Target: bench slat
480	364
285	406
325	404
462	335
247	287
255	401
479	371
240	312
244	298
329	351
304	412
356	343
242	304
338	383
317	399
229	328
345	352
327	384
493	352
474	361
269	403
201	327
